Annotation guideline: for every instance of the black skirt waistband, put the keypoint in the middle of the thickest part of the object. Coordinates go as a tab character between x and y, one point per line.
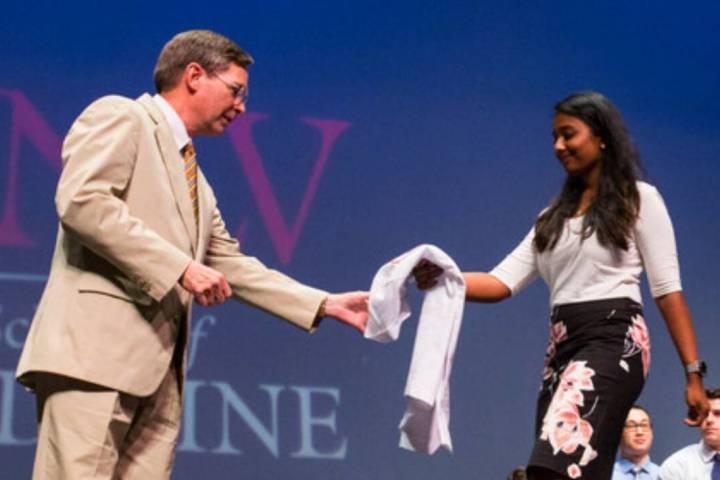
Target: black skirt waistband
621	306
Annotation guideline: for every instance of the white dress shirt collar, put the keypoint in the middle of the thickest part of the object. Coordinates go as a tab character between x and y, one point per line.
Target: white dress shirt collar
706	453
177	127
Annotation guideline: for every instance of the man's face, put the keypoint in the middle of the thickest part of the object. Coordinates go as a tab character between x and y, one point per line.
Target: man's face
637	435
711	425
216	104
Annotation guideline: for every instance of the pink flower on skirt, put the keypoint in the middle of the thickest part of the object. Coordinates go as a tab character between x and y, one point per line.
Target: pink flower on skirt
637	340
576	378
574	471
563	426
641	339
558	333
566	430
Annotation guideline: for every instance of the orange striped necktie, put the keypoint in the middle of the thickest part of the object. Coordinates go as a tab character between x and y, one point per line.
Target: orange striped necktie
190	160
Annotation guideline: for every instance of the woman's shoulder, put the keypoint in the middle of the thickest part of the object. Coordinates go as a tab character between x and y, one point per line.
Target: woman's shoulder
645	188
647	191
650	199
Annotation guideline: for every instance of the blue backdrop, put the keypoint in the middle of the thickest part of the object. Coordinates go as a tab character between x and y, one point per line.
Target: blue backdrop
425	122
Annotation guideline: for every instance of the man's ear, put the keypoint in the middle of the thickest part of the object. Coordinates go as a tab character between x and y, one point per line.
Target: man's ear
192	75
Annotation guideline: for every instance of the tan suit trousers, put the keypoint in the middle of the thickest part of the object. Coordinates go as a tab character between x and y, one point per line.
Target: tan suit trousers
86	431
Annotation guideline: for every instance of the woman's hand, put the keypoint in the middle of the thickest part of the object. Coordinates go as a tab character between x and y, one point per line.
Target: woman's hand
426	274
697	401
675	311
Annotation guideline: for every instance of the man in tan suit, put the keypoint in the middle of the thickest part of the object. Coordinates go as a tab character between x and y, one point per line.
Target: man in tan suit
140	237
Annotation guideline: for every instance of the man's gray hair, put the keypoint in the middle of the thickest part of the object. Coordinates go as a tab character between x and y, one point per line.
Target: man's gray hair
212	51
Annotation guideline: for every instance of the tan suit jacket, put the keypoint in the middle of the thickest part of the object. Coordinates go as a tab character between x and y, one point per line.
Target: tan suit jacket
112	307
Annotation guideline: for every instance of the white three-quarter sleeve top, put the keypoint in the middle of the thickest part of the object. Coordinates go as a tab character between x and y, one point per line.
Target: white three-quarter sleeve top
578	270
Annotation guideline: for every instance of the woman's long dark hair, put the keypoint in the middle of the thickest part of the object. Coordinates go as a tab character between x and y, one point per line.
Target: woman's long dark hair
614	209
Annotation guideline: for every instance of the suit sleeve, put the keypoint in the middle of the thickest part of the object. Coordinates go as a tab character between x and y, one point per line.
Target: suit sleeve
254	283
99	156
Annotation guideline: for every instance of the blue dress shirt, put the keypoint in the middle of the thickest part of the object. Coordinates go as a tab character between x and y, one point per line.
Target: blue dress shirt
624	470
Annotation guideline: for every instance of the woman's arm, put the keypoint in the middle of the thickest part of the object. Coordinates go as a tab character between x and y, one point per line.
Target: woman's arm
483	287
675	311
655	239
510	276
479	286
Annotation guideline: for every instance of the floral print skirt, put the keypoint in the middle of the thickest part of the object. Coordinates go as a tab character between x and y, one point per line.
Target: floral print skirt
595	367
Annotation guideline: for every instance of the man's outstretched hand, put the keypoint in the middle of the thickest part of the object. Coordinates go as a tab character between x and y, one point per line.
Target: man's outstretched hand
350	308
209	287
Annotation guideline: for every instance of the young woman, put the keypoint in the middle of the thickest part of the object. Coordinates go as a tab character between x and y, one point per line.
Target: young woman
590	245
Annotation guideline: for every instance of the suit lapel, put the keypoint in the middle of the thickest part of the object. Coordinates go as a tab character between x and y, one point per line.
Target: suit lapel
174	166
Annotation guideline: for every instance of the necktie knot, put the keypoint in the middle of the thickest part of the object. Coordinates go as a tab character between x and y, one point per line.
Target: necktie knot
188	151
715	474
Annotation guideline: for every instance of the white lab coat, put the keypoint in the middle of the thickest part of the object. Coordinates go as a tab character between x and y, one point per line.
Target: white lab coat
425	424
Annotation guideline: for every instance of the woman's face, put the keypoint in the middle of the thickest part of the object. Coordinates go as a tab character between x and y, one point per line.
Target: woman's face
577	148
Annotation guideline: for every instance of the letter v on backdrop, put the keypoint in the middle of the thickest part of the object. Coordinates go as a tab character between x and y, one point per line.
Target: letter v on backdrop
283	236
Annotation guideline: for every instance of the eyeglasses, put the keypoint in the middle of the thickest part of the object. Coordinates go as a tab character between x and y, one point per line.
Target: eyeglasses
637	426
240	92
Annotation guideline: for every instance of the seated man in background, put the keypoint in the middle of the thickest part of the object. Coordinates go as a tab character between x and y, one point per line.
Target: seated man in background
699	461
634	461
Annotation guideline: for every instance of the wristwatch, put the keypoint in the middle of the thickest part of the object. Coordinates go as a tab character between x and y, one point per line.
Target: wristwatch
698	366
